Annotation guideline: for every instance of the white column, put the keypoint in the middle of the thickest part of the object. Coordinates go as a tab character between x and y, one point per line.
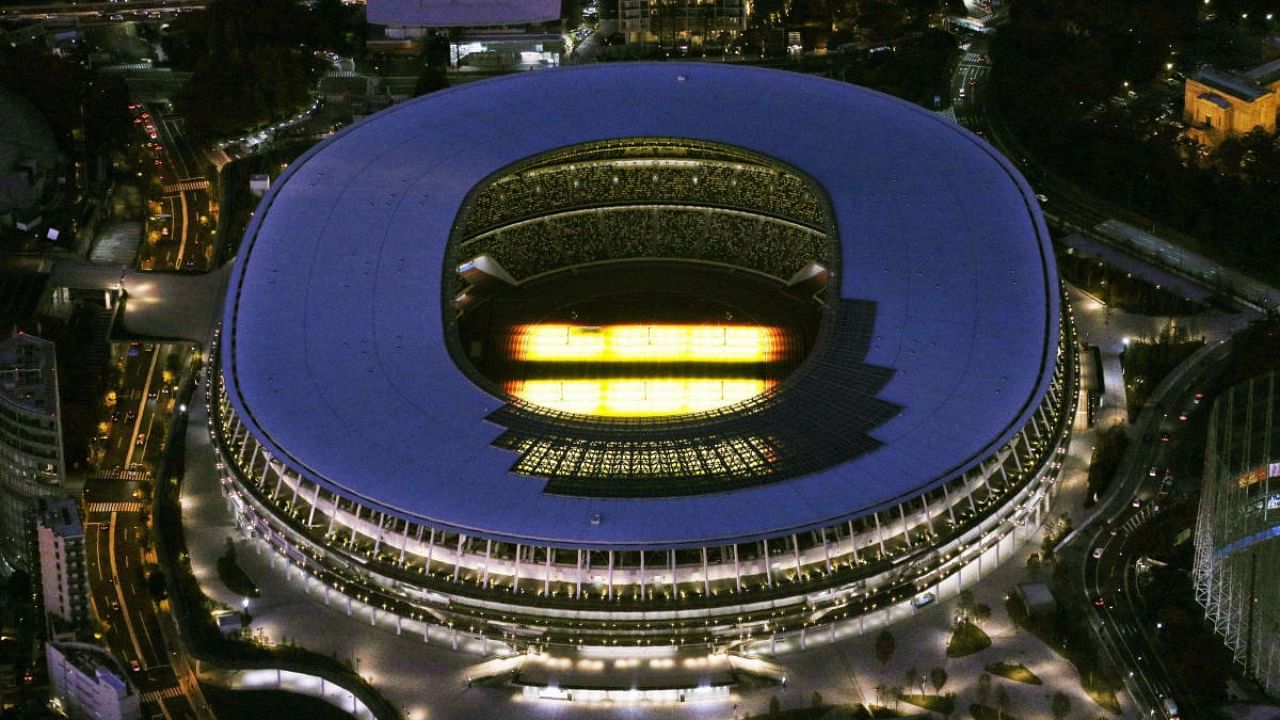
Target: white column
706	576
404	541
311	516
671	560
578	592
546	579
457	559
515	580
488	554
609	582
644	588
826	550
768	566
737	570
853	543
879	533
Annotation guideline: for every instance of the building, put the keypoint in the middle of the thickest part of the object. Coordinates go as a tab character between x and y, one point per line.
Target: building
63	582
31	458
1219	104
682	24
699	367
1237	545
90	684
493	35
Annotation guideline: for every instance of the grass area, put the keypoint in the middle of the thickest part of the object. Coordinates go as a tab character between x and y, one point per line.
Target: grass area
1108	449
967	639
1068	636
266	703
1120	290
986	712
234	576
237	202
830	712
943	704
1104	699
1015	672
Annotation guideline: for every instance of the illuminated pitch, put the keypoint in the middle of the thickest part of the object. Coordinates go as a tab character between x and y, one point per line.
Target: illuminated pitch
646	343
637	397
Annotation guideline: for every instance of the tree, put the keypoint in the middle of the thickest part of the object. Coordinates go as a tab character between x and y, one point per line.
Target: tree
964	605
816	700
885	646
912	676
938	676
895	692
984	688
1061	705
775	707
432	79
155	585
1002	700
982	613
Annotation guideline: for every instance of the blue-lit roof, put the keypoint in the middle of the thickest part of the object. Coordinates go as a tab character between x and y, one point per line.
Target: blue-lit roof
333	343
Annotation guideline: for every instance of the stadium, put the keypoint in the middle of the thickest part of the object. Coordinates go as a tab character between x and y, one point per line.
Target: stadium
644	354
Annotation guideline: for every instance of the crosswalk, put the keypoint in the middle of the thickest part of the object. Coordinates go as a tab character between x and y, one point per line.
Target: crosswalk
188	184
108	507
158	695
134	475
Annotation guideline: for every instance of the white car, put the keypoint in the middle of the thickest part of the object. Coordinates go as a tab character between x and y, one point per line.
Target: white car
1097	553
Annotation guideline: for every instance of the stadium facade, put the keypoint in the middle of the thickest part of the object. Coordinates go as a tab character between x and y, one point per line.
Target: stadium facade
1237	548
365	430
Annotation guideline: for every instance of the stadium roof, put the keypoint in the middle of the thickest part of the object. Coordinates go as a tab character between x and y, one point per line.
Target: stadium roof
462	13
333	342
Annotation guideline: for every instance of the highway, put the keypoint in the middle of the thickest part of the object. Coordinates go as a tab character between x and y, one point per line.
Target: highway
117	564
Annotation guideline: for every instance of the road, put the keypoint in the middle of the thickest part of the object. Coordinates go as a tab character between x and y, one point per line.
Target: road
1106	570
117	568
1106	581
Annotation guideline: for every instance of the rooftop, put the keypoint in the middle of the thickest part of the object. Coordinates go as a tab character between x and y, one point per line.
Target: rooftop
60	516
462	13
1237	86
95	662
334	325
28	368
1265	74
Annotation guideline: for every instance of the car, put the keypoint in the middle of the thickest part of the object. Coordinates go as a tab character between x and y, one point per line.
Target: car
961	93
131	415
135	665
1097	552
973	81
142	440
1164	437
1099	602
152	395
1042	198
1137	502
924	599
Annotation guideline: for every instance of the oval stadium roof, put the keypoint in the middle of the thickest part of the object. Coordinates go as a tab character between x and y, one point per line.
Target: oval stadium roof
333	348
